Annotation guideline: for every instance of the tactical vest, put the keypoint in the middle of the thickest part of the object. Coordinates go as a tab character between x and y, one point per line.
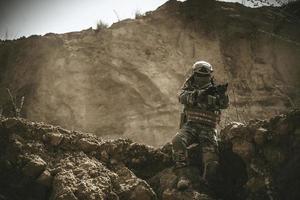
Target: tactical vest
203	117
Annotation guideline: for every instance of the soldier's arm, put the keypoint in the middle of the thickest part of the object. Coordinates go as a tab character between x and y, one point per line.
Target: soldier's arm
186	96
190	96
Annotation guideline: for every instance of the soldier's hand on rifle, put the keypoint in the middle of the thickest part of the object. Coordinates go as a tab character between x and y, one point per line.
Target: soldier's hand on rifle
221	89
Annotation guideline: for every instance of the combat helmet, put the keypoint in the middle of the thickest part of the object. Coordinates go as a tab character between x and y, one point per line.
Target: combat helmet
202	67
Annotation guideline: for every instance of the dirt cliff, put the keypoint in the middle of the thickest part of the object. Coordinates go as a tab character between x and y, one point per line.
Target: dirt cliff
124	80
259	160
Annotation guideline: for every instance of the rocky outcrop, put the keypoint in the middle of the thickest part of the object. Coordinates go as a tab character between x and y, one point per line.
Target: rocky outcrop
270	151
39	161
259	160
123	81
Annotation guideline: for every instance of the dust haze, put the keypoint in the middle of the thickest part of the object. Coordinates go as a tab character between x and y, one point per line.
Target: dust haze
101	105
123	80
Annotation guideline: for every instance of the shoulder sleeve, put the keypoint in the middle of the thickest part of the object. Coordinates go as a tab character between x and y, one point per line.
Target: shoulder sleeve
187	94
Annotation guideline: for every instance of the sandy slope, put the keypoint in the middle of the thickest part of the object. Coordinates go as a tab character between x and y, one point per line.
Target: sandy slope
124	80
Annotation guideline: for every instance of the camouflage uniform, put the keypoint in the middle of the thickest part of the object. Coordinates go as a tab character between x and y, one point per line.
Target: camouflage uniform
199	118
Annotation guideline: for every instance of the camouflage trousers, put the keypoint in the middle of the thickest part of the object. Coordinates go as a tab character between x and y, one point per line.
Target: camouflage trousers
192	133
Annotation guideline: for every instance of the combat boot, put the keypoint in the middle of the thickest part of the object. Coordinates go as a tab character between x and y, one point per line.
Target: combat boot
181	170
210	172
211	165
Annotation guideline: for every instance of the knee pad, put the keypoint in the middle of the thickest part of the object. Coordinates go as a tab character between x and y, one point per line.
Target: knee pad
210	173
210	164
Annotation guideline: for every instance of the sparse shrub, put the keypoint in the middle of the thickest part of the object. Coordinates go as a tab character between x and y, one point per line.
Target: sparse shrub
17	109
101	25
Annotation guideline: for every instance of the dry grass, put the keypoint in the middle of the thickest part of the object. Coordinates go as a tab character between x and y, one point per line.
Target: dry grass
101	25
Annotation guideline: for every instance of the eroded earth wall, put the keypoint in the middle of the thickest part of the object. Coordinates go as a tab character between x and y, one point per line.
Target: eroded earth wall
124	80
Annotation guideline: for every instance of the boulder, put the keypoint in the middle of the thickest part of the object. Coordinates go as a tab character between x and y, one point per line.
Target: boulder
53	138
34	166
45	178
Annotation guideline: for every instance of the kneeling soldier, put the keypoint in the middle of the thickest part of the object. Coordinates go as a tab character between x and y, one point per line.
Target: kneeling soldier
203	101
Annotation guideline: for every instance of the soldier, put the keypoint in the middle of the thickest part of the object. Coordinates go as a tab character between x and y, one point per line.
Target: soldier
202	101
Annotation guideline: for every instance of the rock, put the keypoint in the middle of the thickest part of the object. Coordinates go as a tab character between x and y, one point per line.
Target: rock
137	189
142	192
17	142
104	156
67	195
113	161
34	167
91	168
260	136
84	178
135	160
87	144
183	184
53	138
10	122
168	180
234	129
168	194
269	158
45	178
166	183
16	137
243	148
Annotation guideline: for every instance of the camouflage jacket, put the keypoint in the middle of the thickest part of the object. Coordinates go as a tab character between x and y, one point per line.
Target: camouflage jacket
204	103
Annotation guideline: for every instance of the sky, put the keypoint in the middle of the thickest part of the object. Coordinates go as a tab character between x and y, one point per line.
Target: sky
26	17
37	17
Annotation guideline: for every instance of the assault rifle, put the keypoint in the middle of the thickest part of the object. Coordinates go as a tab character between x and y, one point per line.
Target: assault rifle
216	89
201	95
